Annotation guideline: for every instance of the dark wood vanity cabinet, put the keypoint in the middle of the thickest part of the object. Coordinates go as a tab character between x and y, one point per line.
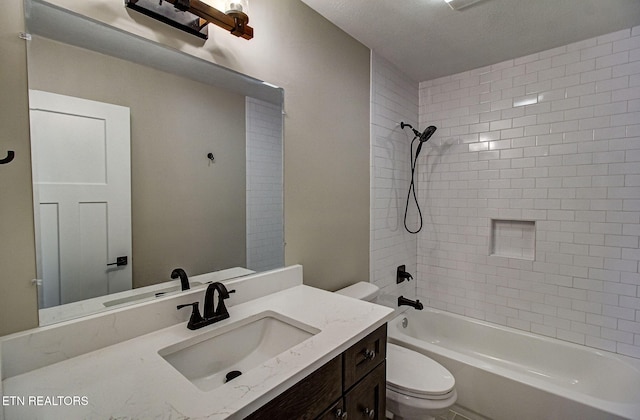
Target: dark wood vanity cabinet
350	386
366	400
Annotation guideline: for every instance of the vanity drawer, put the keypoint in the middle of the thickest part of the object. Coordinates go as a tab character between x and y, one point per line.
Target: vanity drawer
364	356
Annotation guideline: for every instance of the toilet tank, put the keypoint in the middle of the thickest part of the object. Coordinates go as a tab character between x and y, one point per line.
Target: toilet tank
361	290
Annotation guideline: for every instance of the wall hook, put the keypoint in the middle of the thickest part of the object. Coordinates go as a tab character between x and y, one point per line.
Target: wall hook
210	156
10	155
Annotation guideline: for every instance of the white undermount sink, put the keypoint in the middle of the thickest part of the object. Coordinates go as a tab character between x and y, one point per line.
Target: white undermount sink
207	359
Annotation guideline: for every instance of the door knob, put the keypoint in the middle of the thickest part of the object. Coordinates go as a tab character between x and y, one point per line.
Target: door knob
120	261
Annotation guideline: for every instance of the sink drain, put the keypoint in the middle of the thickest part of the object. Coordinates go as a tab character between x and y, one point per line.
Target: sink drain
232	375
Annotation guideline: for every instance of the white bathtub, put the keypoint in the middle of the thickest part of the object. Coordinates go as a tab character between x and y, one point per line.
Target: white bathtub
504	373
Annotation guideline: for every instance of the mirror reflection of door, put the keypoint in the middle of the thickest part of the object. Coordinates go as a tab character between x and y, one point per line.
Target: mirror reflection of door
81	162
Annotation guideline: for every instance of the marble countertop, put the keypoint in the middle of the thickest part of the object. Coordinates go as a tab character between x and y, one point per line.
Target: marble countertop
131	380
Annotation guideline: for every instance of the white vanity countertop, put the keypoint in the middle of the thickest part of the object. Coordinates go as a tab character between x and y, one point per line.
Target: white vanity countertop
130	380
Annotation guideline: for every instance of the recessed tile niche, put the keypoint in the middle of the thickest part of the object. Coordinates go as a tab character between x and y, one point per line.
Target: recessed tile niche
513	239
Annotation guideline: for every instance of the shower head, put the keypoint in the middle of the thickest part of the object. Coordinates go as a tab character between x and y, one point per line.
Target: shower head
427	133
424	137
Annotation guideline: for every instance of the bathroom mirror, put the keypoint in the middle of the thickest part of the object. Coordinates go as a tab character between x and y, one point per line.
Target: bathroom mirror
205	163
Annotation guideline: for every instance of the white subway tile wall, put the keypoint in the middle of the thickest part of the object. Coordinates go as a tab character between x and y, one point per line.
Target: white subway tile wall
265	223
553	137
394	99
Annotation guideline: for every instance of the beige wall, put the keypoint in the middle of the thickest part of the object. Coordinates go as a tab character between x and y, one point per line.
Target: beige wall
18	299
186	212
325	74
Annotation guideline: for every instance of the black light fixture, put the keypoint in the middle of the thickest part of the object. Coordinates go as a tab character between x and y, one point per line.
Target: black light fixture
193	15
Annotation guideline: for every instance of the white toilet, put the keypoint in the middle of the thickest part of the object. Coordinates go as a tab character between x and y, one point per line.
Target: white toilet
417	387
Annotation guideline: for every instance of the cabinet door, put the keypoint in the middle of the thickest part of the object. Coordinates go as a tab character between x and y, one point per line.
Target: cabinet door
308	398
367	400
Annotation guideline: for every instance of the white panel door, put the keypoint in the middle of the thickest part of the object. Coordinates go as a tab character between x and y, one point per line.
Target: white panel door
82	196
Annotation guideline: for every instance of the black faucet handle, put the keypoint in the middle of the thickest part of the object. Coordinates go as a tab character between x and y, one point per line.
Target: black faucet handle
221	309
402	274
222	290
196	319
195	306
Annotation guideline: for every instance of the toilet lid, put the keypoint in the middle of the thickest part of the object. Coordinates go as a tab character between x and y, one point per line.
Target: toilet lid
412	373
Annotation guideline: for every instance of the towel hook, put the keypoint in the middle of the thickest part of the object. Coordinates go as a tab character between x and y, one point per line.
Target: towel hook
10	155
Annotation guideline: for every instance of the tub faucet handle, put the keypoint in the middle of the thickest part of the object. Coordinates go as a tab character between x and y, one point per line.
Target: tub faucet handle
402	275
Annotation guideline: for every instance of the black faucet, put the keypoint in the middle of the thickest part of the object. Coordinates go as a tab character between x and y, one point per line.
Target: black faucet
414	303
212	314
221	310
184	280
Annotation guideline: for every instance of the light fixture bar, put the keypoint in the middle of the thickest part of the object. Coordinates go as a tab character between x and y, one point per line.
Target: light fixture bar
168	14
198	14
212	15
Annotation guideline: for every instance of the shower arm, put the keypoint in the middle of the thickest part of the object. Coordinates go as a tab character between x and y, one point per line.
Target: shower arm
415	132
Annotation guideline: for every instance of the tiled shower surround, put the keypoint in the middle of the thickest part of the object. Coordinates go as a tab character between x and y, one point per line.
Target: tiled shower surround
394	98
265	225
551	138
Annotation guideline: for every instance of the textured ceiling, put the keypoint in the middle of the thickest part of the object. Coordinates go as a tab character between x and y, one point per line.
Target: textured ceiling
427	39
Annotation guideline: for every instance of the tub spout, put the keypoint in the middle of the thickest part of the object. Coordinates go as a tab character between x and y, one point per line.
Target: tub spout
414	303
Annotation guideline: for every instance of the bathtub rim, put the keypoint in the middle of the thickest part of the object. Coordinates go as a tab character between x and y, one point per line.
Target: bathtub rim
618	408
